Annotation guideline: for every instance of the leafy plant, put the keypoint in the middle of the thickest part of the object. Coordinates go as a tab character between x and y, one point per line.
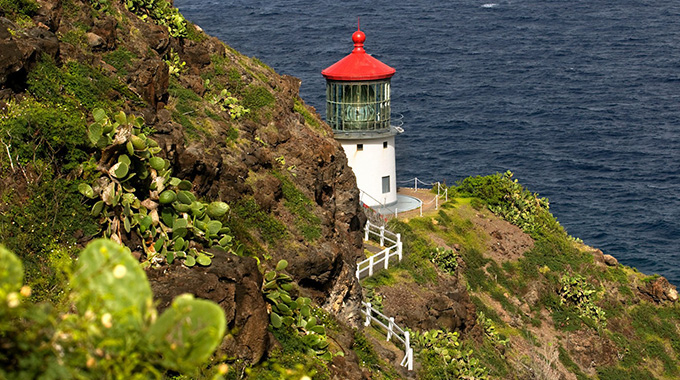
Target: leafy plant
287	312
137	194
489	328
110	330
229	103
576	291
162	13
442	357
446	259
175	63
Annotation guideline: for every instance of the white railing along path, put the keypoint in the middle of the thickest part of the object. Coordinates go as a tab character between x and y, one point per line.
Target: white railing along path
382	260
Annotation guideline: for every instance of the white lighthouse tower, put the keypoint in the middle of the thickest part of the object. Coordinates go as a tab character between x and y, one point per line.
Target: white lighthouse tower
358	111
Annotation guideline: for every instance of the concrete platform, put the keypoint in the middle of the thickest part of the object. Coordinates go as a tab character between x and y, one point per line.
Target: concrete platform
404	203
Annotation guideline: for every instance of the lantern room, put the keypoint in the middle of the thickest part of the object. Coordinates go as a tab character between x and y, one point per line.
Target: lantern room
358	110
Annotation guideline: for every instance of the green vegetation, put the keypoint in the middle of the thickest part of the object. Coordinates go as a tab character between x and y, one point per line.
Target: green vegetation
109	328
576	291
175	64
310	120
137	194
294	313
162	13
230	104
446	259
76	86
301	207
512	202
441	357
247	215
18	7
120	59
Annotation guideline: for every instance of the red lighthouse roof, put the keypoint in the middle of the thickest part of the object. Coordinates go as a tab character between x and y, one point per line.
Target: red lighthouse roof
358	65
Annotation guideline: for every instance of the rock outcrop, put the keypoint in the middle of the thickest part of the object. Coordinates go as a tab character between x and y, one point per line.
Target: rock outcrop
235	161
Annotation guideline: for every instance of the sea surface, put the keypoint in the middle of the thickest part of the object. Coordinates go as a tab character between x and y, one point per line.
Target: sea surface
580	99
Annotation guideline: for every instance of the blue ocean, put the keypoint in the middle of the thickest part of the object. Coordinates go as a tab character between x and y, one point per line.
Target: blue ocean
580	99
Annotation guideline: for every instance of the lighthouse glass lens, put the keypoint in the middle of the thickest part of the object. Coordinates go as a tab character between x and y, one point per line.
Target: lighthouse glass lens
358	106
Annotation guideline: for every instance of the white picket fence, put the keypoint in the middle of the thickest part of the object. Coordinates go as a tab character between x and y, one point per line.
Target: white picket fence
365	269
382	258
393	330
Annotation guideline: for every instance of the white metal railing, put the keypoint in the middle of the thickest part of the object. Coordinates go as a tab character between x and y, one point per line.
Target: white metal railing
442	191
392	329
382	258
381	204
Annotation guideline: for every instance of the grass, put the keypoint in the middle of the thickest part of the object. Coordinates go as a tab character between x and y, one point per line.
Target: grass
249	216
570	365
310	120
302	207
120	59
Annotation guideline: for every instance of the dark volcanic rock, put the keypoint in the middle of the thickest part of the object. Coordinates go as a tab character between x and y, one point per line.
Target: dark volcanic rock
20	50
659	290
234	283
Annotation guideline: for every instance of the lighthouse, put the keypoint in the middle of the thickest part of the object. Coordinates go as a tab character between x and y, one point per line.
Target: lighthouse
358	111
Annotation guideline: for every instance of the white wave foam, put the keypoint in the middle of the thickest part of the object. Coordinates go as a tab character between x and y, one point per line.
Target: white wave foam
489	5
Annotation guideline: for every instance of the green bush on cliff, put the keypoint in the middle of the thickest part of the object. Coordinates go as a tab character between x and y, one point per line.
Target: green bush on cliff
18	7
109	329
514	203
162	13
135	194
442	357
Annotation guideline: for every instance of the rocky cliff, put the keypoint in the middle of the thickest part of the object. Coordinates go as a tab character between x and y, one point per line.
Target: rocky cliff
291	192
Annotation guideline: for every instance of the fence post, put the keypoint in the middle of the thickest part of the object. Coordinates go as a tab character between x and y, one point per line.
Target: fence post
368	315
382	236
387	257
390	328
370	266
421	208
415	183
368	228
436	202
399	249
408	352
446	193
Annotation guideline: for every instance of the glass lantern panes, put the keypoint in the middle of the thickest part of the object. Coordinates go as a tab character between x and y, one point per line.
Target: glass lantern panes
358	106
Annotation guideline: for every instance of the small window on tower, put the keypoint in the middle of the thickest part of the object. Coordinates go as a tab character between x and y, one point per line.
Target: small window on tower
386	184
384	144
360	147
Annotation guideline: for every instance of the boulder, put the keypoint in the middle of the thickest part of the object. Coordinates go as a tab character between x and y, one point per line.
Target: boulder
21	50
659	290
234	283
610	260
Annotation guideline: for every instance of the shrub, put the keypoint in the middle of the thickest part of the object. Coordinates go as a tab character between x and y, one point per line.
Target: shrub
512	202
442	358
136	194
577	292
109	330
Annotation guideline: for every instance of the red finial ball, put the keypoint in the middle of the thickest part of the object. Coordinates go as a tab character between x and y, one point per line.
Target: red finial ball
358	37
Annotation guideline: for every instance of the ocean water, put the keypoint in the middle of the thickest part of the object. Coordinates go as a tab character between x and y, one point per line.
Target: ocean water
580	99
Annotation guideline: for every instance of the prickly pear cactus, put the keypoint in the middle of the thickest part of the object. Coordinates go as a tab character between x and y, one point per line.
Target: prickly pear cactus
137	194
108	280
11	273
287	311
188	332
